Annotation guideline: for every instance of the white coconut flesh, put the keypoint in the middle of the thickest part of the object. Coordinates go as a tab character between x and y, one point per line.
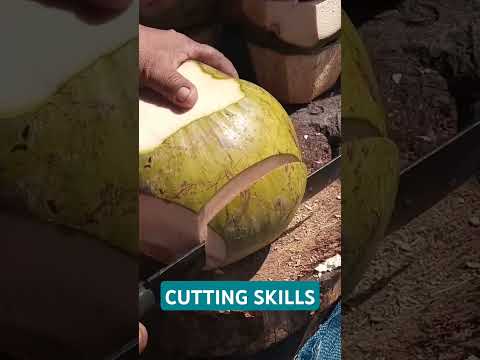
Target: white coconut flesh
296	78
168	230
157	123
298	23
39	58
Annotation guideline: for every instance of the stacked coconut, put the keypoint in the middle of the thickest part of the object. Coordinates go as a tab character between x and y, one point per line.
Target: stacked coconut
197	19
294	46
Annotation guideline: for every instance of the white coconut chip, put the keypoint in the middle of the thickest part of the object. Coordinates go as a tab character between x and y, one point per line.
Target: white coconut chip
330	264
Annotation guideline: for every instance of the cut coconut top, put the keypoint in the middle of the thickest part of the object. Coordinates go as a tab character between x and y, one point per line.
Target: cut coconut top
157	122
298	23
44	46
168	230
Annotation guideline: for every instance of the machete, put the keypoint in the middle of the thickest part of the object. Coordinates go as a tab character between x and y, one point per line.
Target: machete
194	261
421	186
425	182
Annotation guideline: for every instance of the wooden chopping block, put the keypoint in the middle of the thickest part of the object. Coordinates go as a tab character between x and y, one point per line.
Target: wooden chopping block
301	24
296	78
177	14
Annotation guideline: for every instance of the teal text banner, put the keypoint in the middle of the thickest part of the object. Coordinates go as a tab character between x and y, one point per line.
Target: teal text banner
240	295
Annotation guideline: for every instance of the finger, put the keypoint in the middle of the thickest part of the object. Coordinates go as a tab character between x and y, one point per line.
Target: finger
142	338
171	85
211	56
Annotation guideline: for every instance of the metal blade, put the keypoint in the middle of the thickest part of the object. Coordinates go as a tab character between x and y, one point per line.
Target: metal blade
149	291
323	177
192	262
181	269
431	178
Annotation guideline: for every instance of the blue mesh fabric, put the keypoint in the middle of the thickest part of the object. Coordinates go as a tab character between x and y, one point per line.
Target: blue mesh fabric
326	343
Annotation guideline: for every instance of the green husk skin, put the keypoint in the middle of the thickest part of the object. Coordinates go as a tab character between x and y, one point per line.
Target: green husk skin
370	172
362	102
194	163
259	215
370	162
70	159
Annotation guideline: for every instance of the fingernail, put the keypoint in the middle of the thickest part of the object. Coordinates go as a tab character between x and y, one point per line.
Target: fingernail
182	94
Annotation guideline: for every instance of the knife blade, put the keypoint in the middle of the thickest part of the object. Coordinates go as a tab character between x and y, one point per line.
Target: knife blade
323	177
461	153
427	181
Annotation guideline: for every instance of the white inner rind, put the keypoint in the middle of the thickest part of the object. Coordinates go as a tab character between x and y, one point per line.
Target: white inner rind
328	18
298	23
168	230
215	247
44	46
305	76
157	122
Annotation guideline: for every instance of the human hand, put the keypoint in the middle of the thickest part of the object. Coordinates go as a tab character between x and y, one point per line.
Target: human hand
142	338
161	52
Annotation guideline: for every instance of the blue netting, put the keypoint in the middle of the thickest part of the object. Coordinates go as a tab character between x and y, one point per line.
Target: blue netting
326	343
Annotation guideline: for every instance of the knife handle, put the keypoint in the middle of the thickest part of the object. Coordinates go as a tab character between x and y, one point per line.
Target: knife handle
127	352
146	300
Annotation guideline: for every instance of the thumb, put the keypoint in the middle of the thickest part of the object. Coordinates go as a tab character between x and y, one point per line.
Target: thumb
174	87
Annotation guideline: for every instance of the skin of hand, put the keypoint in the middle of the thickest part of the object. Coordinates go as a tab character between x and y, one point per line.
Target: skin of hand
161	52
142	338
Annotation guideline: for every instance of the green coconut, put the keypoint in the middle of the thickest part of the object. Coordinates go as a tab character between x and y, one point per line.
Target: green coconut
231	167
370	174
370	161
362	105
66	146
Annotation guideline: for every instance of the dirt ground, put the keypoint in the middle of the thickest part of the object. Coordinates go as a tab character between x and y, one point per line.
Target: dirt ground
318	128
426	56
421	294
312	237
419	298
